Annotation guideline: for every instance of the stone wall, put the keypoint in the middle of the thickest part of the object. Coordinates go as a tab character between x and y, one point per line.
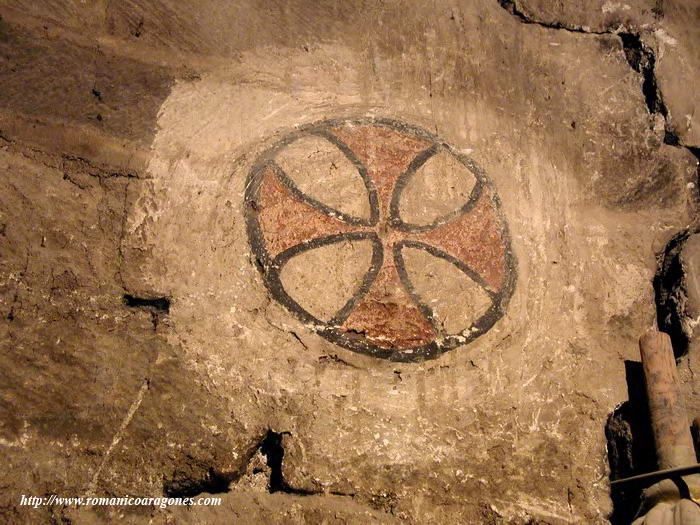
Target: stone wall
159	161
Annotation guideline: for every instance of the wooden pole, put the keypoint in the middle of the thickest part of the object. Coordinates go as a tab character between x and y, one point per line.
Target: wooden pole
674	444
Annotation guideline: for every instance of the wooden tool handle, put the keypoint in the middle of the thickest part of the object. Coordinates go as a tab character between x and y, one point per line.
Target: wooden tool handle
674	444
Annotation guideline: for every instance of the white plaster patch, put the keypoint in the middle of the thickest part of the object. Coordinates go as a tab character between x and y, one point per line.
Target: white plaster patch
611	7
664	37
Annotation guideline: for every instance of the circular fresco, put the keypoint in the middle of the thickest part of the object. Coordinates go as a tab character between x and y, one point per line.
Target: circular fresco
380	237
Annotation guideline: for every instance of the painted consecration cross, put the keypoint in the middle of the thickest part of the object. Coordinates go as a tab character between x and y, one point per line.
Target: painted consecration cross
380	237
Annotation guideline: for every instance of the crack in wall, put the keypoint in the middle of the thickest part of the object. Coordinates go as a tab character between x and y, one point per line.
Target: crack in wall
65	163
296	336
333	358
282	329
512	7
642	60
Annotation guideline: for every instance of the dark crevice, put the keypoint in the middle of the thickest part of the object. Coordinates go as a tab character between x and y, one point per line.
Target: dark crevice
512	8
630	445
695	151
509	5
296	336
157	306
643	61
260	265
272	448
352	332
670	293
334	359
162	304
671	139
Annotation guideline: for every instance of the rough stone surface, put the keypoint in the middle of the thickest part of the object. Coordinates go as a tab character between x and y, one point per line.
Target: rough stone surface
175	388
668	29
690	259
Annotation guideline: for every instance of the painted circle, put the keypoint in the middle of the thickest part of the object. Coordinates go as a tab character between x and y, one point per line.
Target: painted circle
283	221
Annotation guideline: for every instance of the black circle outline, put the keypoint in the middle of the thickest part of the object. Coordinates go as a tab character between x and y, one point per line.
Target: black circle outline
270	268
333	212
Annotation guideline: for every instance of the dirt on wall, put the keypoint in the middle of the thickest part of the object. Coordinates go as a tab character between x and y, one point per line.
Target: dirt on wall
334	262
